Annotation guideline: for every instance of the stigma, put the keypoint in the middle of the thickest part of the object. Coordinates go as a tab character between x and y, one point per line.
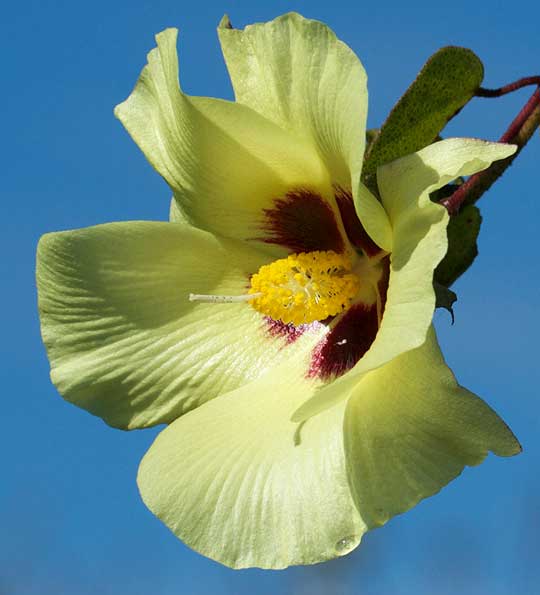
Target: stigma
305	287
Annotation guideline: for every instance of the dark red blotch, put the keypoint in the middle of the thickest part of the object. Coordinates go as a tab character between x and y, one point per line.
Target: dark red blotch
351	337
303	222
346	343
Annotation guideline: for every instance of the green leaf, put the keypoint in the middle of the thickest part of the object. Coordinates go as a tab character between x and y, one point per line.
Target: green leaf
463	230
445	298
371	135
445	84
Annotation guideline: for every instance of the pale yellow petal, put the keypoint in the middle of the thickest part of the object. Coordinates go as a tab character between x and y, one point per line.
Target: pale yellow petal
123	339
239	482
225	163
410	429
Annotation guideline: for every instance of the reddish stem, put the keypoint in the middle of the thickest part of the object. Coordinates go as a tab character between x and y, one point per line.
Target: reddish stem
480	182
510	88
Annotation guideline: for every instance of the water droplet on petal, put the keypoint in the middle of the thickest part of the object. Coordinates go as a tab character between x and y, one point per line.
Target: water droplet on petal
345	545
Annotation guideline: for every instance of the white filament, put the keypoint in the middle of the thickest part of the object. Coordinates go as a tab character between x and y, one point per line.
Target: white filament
222	299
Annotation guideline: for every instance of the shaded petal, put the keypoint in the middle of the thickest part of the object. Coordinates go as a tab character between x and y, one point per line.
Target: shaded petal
240	483
224	162
374	219
406	183
419	237
295	72
419	244
175	213
123	340
410	429
354	228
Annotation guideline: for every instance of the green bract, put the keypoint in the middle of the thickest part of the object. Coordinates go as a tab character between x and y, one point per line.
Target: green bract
269	459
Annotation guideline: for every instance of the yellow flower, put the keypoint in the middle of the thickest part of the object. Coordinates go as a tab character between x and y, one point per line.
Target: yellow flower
316	405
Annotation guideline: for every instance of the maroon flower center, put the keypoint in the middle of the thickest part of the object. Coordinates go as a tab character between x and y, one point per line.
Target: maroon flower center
303	221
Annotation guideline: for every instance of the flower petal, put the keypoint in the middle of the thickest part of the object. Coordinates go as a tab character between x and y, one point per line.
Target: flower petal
123	339
240	483
175	214
373	217
419	243
419	237
295	72
357	234
410	429
225	163
407	182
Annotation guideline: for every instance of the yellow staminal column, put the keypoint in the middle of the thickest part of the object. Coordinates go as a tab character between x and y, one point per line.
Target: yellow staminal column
299	289
304	287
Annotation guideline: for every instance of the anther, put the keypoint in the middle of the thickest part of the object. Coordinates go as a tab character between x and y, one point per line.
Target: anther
317	285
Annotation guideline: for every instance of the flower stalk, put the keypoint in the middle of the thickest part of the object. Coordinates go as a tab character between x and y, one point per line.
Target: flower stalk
519	133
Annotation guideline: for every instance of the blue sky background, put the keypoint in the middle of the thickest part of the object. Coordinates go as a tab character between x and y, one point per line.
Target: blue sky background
71	520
